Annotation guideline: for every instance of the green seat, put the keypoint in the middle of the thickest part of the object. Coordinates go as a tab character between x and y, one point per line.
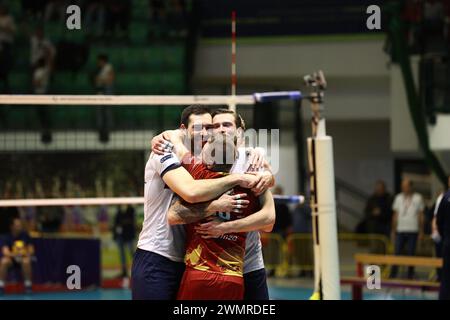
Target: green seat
174	57
116	56
173	83
55	30
82	84
138	32
63	83
20	82
172	115
59	117
154	58
16	117
127	83
151	83
76	36
22	58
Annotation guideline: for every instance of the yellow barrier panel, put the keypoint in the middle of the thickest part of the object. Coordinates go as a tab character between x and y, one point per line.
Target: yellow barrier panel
299	255
273	250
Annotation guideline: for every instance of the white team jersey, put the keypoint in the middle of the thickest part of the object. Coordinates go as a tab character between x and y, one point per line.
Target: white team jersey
253	259
157	235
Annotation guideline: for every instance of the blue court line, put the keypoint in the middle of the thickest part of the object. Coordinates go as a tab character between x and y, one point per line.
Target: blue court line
275	292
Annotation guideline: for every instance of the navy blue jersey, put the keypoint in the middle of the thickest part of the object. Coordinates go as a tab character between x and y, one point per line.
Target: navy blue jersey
17	244
443	218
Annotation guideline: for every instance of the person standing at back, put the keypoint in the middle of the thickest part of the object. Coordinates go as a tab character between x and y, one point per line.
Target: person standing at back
407	223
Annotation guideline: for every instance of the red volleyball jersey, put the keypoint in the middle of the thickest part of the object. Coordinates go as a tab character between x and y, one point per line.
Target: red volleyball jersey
224	255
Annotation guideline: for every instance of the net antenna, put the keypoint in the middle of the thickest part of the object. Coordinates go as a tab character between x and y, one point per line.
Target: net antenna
232	104
316	81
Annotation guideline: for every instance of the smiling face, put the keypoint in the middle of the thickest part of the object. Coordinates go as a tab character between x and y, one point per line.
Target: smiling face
224	123
199	126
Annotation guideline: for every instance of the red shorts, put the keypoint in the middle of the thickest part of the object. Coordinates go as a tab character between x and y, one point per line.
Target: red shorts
202	285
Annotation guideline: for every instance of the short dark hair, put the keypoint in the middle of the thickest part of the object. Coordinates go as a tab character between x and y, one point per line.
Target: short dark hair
193	109
237	117
103	57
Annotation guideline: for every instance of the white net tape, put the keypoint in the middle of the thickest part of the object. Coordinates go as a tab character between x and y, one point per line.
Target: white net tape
104	201
117	100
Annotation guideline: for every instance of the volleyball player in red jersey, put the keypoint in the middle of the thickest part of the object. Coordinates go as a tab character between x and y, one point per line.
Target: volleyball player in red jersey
214	266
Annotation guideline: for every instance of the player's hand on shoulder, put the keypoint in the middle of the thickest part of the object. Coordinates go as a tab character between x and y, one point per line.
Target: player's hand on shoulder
249	180
266	181
160	145
256	158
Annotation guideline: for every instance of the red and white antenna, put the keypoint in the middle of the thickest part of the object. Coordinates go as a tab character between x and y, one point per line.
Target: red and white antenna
232	104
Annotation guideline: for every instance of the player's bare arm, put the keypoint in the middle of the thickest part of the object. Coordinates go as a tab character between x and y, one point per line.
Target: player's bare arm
181	212
193	191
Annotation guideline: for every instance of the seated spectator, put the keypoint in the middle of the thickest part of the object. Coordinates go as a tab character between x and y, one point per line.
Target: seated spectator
118	15
7	214
55	10
34	9
17	253
95	18
50	218
104	83
7	33
177	19
40	82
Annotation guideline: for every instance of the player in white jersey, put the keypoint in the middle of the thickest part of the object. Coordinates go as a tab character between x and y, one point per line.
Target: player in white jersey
158	261
228	122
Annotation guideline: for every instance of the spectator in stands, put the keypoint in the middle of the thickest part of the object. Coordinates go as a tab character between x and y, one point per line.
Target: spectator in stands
50	218
102	213
177	19
157	10
42	59
118	17
104	79
34	9
95	18
17	252
434	229
7	214
28	214
7	33
104	83
433	14
41	48
73	215
55	10
378	212
283	221
158	16
40	82
407	222
124	232
41	77
443	226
